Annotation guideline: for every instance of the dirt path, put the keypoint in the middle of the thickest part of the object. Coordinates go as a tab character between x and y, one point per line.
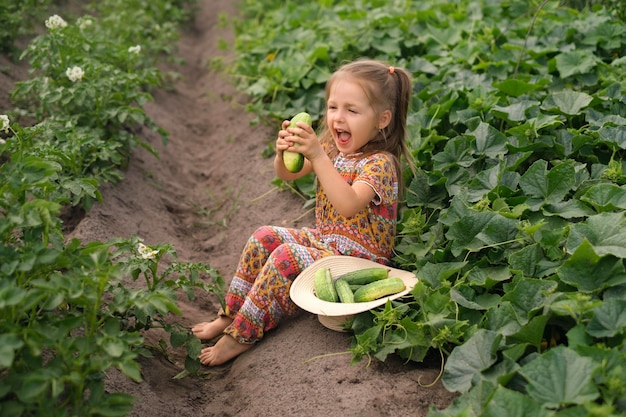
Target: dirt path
205	196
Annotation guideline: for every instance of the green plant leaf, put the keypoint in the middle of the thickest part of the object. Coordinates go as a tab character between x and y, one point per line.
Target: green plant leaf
613	134
575	62
567	102
560	377
517	111
548	186
488	277
509	403
516	88
480	230
9	343
477	354
489	140
532	332
436	273
531	262
589	272
502	319
527	295
605	197
606	232
609	319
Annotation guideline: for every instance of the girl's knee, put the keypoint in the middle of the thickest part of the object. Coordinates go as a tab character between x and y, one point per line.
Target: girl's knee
263	234
283	259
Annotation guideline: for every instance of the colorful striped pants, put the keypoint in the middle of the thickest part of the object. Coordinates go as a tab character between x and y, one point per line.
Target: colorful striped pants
258	296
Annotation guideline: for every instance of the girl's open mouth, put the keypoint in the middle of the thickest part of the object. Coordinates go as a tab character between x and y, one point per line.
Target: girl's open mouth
343	137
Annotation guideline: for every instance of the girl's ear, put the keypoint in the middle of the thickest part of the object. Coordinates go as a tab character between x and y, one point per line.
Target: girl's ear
384	119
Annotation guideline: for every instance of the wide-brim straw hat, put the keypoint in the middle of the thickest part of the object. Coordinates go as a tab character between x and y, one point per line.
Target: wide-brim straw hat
335	316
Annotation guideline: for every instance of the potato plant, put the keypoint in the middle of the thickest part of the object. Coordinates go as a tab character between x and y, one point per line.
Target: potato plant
69	310
514	221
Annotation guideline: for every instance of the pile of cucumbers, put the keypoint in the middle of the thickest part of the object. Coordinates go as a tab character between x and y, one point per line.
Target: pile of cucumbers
358	286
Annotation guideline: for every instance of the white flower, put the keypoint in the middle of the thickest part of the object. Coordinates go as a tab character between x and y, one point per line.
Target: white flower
83	23
75	74
134	49
4	123
146	252
55	21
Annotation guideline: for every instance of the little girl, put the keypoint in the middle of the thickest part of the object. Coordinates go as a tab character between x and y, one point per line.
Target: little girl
357	163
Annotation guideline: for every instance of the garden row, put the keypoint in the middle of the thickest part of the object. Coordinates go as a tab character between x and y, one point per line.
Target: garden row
514	222
67	311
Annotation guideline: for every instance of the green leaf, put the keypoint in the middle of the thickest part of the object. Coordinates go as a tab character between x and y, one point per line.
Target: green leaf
465	297
605	197
177	339
419	190
436	273
516	88
193	347
531	262
532	332
480	230
131	369
589	272
114	347
11	295
550	186
567	102
489	140
609	319
606	232
560	377
488	277
502	319
112	405
575	62
9	343
33	385
477	354
577	336
568	209
613	134
516	112
509	403
529	295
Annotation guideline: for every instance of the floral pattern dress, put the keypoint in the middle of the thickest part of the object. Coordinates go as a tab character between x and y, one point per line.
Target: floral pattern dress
258	295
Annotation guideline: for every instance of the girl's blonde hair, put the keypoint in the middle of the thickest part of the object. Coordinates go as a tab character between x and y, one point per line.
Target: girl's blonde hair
387	88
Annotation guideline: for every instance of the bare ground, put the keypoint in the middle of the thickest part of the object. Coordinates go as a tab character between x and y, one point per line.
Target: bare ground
208	191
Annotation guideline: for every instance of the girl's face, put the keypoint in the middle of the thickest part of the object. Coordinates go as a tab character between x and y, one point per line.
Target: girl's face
351	119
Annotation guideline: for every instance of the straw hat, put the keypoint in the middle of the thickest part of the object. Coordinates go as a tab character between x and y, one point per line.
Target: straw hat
335	315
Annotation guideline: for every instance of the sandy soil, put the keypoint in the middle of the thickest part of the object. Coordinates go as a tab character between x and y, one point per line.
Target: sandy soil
206	194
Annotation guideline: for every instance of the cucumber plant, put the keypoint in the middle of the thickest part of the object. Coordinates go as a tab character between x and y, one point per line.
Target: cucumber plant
513	222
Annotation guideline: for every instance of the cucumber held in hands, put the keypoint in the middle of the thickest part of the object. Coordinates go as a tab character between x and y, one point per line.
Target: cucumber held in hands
294	161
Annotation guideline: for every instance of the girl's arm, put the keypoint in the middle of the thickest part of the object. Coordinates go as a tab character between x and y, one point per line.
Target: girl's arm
346	199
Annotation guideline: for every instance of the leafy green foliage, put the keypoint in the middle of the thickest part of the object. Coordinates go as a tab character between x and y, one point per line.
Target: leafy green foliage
70	311
16	19
514	219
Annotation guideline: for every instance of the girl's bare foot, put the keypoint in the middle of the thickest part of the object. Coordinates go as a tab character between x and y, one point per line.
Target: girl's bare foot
224	350
209	330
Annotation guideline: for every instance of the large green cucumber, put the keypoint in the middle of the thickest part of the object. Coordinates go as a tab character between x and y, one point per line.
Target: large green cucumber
366	275
344	292
294	161
324	286
377	289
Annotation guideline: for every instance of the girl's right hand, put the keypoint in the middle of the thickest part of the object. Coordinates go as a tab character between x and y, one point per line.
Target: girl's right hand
281	143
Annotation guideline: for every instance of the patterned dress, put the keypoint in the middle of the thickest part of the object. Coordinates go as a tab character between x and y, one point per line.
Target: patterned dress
258	296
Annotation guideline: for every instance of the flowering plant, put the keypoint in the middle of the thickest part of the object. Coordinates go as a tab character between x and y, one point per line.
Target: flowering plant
69	311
